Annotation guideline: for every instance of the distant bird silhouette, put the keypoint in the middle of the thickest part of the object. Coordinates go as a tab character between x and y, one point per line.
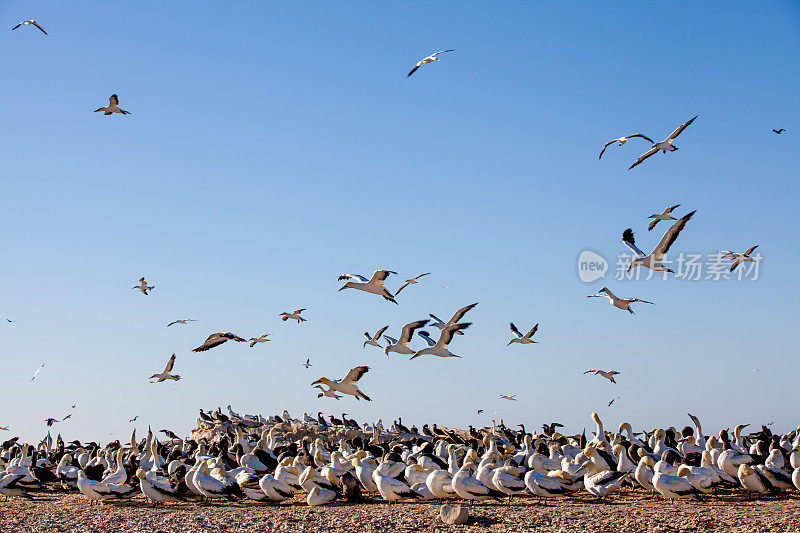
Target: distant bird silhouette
143	286
50	421
613	400
294	315
133	419
779	131
29	23
307	364
66	417
430	59
184	321
512	397
113	107
37	371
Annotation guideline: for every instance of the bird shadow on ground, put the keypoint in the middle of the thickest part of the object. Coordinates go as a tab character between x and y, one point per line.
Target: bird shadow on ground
485	521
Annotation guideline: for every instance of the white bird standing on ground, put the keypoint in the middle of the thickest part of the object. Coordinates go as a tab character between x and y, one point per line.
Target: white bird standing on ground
401	345
34	23
523	339
739	258
373	340
437	322
653	261
143	286
608	374
262	338
37	371
430	59
411	281
372	285
166	373
623	140
665	145
113	107
348	384
665	215
619	303
294	315
182	321
439	348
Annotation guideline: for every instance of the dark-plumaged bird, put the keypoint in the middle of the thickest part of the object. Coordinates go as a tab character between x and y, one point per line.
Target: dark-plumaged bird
215	339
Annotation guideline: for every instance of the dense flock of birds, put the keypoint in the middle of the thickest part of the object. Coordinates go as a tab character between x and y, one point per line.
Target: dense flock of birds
255	458
264	460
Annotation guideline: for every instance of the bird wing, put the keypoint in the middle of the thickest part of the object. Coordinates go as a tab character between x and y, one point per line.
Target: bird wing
643	301
669	209
652	224
643	136
628	240
669	237
37	25
390	339
379	276
515	331
735	264
449	331
20	24
644	156
170	364
680	128
461	312
422	275
409	329
359	277
211	342
413	70
590	371
436	318
403	286
612	141
750	250
355	374
297	311
171	323
427	338
380	332
114	100
533	331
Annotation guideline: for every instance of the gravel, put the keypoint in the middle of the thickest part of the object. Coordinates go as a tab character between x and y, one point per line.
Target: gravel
632	511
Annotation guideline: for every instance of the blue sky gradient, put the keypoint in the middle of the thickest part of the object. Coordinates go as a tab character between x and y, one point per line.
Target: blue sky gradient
273	146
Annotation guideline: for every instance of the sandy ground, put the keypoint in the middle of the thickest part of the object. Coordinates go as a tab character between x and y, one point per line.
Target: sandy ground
51	512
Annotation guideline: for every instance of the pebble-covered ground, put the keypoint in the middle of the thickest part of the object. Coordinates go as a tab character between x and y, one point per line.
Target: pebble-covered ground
635	512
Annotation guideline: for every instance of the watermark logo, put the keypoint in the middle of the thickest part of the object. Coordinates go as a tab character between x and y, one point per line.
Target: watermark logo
591	266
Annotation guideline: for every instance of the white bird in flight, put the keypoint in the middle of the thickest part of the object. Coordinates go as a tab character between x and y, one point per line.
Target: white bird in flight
619	303
653	261
294	315
183	321
520	338
739	258
665	145
430	59
411	281
37	371
143	286
113	107
29	23
348	384
373	340
623	140
439	348
437	322
166	373
372	285
262	338
665	215
406	334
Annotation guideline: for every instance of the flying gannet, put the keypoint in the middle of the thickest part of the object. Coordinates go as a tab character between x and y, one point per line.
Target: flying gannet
430	59
373	340
262	338
739	258
113	107
609	375
437	323
411	281
307	364
166	373
619	303
520	338
439	348
143	286
665	215
665	145
294	315
348	384
215	339
623	140
34	23
653	261
372	285
512	397
406	334
184	321
37	371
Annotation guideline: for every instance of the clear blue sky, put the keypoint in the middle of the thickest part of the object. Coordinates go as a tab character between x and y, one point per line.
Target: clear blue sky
274	146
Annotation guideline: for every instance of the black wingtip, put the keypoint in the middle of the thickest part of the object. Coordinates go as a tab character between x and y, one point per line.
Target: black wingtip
627	235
